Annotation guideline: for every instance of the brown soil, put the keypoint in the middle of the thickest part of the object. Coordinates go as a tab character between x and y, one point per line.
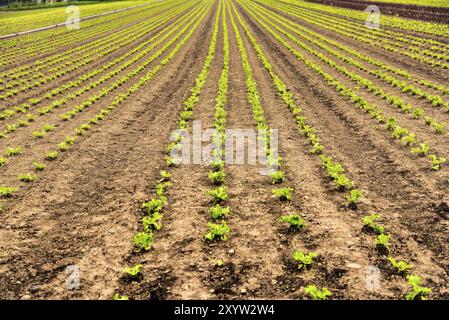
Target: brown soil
85	207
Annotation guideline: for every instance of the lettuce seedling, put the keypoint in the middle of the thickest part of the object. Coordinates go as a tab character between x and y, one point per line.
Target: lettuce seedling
10	151
154	205
119	297
3	161
219	212
305	260
152	222
354	197
283	194
277	177
401	266
295	221
371	223
422	150
52	155
417	292
39	166
219	194
217	231
133	272
317	294
165	176
143	241
382	241
161	188
27	177
217	177
7	191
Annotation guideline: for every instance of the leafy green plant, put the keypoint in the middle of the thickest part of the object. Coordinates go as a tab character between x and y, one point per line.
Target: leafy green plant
119	297
418	292
317	294
437	161
165	176
217	177
400	266
219	262
38	134
305	260
295	221
383	241
277	177
152	222
133	272
219	194
52	155
217	231
219	212
39	166
143	241
284	194
11	151
161	188
371	223
7	191
3	161
354	197
422	150
154	205
27	177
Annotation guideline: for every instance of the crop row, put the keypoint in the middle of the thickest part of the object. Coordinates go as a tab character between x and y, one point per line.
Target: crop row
360	33
398	133
26	47
119	98
148	47
382	240
85	56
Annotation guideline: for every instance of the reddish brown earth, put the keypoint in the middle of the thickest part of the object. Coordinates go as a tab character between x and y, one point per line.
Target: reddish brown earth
425	13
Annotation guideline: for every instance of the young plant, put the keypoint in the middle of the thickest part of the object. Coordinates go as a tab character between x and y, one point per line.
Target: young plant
305	260
152	222
39	166
417	292
354	197
119	297
38	134
3	161
401	266
370	222
277	177
143	241
52	155
219	194
217	231
7	191
219	212
283	194
422	150
27	177
383	241
161	188
165	176
437	161
133	272
217	177
10	151
317	294
295	221
154	205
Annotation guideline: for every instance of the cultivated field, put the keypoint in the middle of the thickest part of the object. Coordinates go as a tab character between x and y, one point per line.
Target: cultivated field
97	201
